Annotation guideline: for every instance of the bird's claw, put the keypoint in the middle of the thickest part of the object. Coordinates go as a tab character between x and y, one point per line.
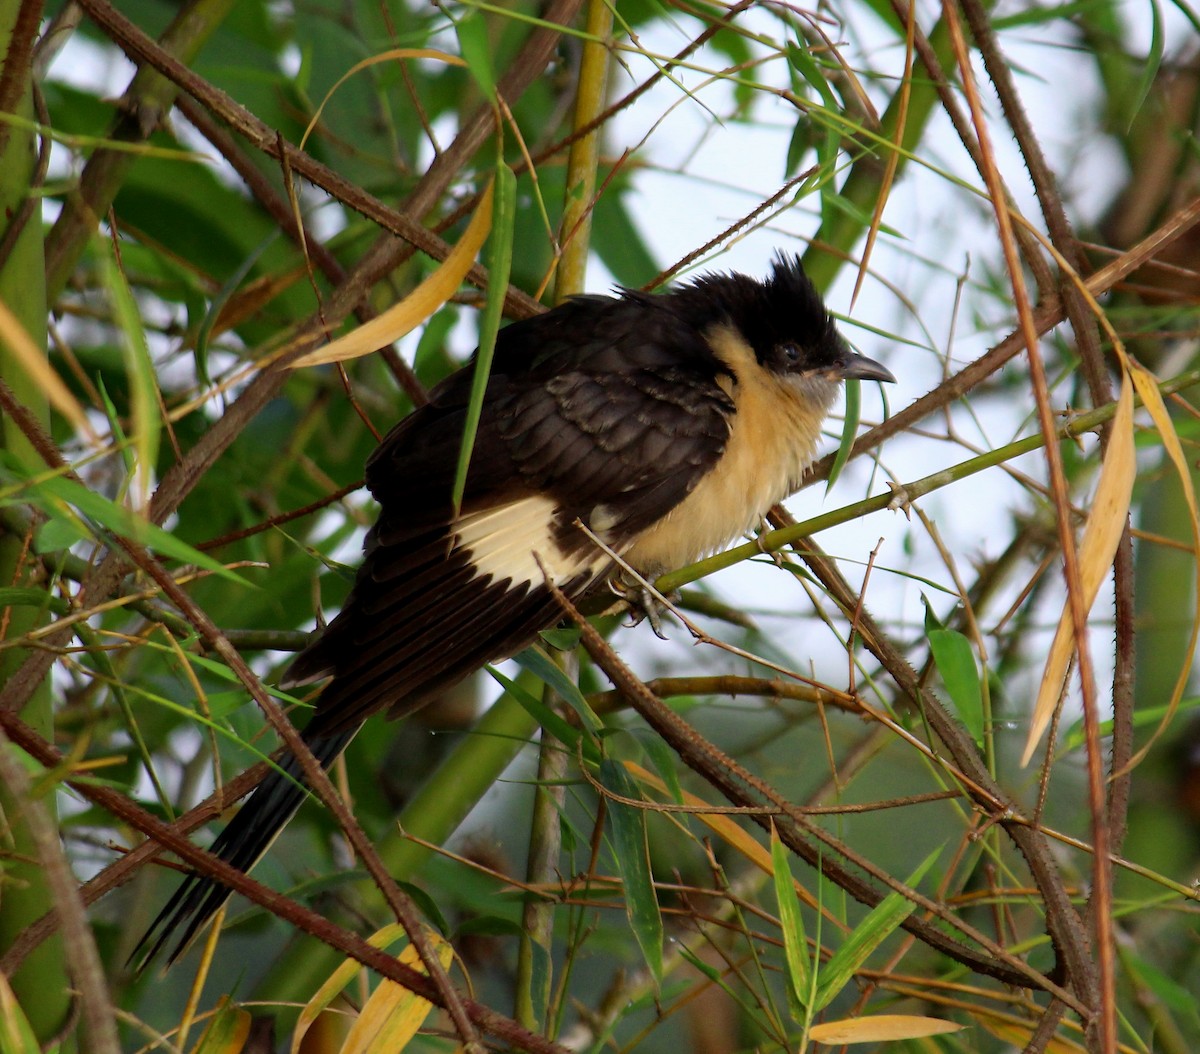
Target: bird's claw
643	604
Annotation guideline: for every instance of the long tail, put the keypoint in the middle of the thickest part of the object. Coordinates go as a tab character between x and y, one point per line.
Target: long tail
243	842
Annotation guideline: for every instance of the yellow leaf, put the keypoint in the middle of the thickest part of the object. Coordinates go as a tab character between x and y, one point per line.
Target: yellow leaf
32	360
1152	400
880	1028
415	308
1110	510
324	996
16	1034
393	1013
227	1031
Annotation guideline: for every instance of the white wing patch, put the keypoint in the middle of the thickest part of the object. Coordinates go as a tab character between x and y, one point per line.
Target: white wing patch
502	541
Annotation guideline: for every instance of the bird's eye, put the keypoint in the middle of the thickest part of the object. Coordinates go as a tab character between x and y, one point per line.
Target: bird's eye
789	353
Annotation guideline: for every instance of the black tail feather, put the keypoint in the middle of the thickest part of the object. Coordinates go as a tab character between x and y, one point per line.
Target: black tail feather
243	842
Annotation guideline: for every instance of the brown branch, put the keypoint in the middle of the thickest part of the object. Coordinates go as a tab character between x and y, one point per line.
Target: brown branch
1097	992
731	685
1096	373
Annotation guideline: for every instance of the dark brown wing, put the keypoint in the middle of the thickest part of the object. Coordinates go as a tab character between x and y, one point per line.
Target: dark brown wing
605	404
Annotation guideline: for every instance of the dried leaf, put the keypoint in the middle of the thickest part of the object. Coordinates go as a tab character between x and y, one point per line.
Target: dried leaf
1152	399
1105	525
727	828
34	362
393	1013
880	1028
415	308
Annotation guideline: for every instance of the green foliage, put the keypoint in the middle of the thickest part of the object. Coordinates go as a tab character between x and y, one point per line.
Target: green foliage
184	281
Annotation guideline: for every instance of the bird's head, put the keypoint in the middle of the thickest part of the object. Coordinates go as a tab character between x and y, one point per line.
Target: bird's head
785	323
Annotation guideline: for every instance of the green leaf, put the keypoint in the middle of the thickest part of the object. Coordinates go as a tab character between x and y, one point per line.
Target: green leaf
545	668
563	639
1035	15
562	730
1150	67
489	926
500	243
880	923
849	430
791	922
114	422
1168	990
227	1030
827	140
632	850
145	424
476	48
955	660
664	760
58	533
218	303
619	242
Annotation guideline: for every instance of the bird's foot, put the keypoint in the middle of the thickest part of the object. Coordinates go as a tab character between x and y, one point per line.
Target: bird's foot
643	604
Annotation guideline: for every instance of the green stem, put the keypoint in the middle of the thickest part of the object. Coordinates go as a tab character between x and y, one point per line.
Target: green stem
584	159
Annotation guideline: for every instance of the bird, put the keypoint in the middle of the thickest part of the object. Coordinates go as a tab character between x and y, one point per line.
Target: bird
664	425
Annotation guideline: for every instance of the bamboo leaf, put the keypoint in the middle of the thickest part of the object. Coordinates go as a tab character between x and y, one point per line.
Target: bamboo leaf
791	922
227	1031
632	850
393	1014
880	1028
145	421
56	494
955	660
500	249
880	923
1106	523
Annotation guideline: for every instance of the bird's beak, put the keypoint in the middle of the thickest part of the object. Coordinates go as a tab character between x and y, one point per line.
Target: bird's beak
863	369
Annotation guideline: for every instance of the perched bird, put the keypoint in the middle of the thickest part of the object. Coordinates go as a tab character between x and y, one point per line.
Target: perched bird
668	424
